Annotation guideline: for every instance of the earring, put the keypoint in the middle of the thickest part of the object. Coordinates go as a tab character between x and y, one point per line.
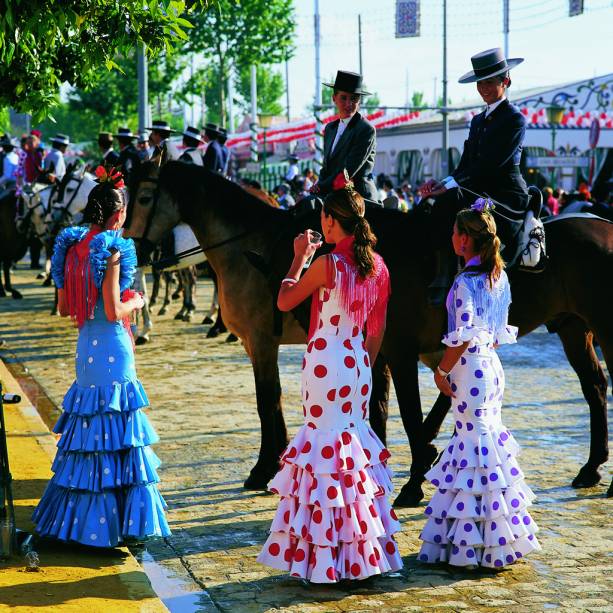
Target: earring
463	248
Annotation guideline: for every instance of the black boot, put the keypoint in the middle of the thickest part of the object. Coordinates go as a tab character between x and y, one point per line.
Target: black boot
437	290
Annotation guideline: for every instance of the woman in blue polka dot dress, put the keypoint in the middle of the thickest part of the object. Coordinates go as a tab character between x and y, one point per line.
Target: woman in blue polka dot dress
104	488
479	513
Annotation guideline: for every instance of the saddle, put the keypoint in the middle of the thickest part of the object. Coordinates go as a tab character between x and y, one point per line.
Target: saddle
527	250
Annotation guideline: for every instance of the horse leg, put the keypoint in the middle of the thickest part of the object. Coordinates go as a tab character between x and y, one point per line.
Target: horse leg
379	397
7	281
140	284
2	292
208	319
436	416
577	342
403	366
189	293
264	354
166	302
155	288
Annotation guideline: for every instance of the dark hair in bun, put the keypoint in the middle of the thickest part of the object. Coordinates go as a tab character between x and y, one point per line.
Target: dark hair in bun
104	200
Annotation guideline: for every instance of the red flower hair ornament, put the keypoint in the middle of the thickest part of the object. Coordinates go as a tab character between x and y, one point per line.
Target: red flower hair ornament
342	181
112	175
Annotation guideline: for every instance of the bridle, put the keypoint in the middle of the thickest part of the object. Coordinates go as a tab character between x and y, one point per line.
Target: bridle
64	209
151	214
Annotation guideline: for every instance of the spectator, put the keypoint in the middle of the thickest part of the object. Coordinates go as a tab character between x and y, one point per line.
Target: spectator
550	202
142	146
389	197
293	169
309	179
54	166
10	163
33	165
402	203
284	196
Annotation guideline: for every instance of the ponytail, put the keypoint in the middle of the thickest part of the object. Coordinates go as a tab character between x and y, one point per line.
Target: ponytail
481	227
363	246
347	207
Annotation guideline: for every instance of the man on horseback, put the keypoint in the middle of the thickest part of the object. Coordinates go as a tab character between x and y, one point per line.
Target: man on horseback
489	164
109	155
213	157
54	166
128	158
160	133
191	141
350	142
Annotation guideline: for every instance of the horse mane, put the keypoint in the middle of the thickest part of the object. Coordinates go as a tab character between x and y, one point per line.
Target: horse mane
190	185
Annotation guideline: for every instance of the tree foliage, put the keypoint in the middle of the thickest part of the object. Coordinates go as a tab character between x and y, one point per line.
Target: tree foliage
44	43
234	34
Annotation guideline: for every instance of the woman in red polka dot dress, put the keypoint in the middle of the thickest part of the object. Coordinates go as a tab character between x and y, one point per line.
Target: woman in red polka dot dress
334	520
479	513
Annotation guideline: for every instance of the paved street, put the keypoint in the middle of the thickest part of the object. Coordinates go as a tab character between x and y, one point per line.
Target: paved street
203	399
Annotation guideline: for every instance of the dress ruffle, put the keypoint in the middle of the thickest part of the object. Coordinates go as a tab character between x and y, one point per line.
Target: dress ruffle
63	241
471	334
507	335
334	520
105	474
100	250
478	514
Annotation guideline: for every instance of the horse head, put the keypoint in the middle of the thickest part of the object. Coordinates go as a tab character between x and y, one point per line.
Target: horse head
151	211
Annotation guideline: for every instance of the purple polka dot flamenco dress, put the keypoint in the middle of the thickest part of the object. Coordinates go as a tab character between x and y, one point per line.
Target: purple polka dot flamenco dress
104	488
479	513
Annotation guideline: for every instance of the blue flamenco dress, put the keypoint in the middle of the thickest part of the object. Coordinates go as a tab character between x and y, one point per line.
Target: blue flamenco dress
104	488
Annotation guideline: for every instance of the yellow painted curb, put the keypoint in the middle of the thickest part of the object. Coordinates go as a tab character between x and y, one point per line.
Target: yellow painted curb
71	578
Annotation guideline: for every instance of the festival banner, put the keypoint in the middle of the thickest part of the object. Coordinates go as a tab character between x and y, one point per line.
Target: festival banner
575	7
407	18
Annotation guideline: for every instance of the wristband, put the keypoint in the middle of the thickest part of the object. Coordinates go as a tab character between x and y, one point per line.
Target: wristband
289	280
442	372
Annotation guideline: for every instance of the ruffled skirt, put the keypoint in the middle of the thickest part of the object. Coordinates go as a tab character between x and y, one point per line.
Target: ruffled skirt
479	513
104	487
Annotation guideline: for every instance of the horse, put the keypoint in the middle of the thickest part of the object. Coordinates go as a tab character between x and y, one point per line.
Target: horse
13	242
231	224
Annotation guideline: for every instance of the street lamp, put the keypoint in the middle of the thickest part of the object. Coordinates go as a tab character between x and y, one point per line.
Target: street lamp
265	123
554	117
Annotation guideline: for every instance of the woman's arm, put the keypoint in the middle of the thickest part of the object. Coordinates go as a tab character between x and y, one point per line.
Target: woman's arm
373	345
450	358
114	308
62	307
295	289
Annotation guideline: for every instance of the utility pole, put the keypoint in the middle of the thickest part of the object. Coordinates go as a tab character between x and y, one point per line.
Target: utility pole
318	123
445	152
505	26
254	115
192	114
287	113
143	90
230	125
360	41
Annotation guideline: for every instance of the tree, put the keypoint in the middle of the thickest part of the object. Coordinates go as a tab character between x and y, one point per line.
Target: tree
417	100
44	44
271	87
238	33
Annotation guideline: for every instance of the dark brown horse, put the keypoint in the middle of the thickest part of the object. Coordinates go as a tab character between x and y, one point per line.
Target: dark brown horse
574	292
13	244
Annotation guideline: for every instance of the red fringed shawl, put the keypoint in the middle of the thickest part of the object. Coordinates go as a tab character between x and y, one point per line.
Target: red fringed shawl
364	299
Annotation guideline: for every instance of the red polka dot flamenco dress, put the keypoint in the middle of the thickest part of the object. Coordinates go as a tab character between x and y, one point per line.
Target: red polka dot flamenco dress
334	520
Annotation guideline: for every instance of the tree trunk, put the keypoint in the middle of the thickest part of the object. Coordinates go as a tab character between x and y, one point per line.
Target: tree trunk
222	87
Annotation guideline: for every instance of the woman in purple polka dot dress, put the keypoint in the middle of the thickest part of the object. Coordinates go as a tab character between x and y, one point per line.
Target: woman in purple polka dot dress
479	513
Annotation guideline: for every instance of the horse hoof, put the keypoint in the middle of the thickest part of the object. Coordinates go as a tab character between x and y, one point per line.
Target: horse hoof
256	482
141	340
54	313
410	496
588	477
152	302
213	333
162	311
231	338
16	295
179	316
207	321
176	295
41	275
610	491
187	317
47	282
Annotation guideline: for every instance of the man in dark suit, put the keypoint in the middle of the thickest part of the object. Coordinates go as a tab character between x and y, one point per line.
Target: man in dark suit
213	157
489	163
129	159
109	155
350	141
225	151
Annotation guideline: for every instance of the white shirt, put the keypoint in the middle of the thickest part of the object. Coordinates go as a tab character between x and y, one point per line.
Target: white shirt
292	171
54	161
449	182
11	162
342	126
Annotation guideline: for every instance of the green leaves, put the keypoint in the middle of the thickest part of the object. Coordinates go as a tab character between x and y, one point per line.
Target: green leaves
43	43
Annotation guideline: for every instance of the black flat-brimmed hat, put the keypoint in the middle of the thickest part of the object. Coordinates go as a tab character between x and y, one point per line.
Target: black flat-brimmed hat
350	82
124	133
490	63
192	132
60	139
159	125
212	128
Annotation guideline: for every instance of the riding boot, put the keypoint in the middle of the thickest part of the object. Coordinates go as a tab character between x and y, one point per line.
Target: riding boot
445	264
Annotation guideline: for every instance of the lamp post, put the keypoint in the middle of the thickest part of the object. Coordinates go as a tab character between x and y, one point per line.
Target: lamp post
554	117
265	123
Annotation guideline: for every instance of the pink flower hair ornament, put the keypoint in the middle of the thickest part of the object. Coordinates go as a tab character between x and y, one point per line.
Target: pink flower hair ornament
111	175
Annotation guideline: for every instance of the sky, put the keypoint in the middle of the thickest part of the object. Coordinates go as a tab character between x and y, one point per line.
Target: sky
557	48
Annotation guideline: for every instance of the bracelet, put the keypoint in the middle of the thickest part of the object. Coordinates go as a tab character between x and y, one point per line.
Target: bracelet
442	372
289	280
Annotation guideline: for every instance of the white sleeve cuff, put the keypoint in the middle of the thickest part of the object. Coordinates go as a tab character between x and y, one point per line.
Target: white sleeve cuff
449	182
